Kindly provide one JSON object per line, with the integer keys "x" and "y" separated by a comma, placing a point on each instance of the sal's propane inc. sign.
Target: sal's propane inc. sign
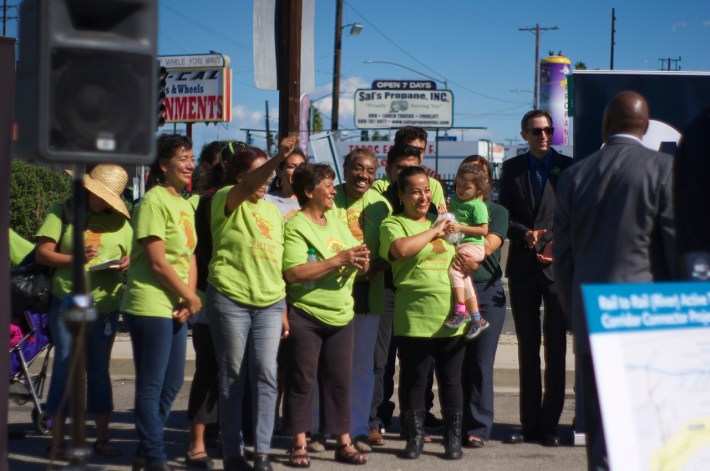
{"x": 198, "y": 88}
{"x": 393, "y": 104}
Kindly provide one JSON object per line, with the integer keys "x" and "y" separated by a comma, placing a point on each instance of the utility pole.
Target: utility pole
{"x": 537, "y": 30}
{"x": 613, "y": 30}
{"x": 336, "y": 65}
{"x": 668, "y": 61}
{"x": 268, "y": 130}
{"x": 289, "y": 66}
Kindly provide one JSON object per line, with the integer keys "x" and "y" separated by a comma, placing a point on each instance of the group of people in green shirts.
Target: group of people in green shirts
{"x": 300, "y": 275}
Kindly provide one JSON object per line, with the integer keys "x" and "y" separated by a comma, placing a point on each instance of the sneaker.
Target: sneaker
{"x": 457, "y": 318}
{"x": 475, "y": 329}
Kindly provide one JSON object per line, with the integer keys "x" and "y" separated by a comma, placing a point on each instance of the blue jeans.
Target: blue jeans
{"x": 246, "y": 339}
{"x": 159, "y": 347}
{"x": 98, "y": 355}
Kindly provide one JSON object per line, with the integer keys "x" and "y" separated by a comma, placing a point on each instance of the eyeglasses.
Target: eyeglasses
{"x": 538, "y": 131}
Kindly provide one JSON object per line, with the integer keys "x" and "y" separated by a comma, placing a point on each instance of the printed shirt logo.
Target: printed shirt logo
{"x": 355, "y": 219}
{"x": 93, "y": 238}
{"x": 264, "y": 226}
{"x": 437, "y": 246}
{"x": 185, "y": 222}
{"x": 335, "y": 246}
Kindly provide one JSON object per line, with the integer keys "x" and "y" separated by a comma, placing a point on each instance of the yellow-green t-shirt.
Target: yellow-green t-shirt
{"x": 437, "y": 192}
{"x": 170, "y": 218}
{"x": 19, "y": 248}
{"x": 330, "y": 300}
{"x": 422, "y": 300}
{"x": 247, "y": 252}
{"x": 364, "y": 217}
{"x": 112, "y": 235}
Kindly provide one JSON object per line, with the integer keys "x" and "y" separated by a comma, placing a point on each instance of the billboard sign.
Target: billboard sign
{"x": 198, "y": 88}
{"x": 394, "y": 108}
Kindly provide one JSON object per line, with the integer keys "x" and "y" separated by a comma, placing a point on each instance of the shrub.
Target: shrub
{"x": 33, "y": 190}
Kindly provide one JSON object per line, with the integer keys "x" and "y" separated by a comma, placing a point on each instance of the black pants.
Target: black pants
{"x": 539, "y": 413}
{"x": 382, "y": 407}
{"x": 596, "y": 444}
{"x": 415, "y": 359}
{"x": 318, "y": 355}
{"x": 204, "y": 393}
{"x": 477, "y": 378}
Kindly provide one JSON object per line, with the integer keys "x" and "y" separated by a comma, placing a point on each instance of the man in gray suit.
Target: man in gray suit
{"x": 613, "y": 224}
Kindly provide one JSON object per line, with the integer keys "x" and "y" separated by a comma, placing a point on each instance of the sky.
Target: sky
{"x": 474, "y": 45}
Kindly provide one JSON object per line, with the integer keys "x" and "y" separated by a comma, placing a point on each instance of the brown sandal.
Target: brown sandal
{"x": 301, "y": 460}
{"x": 355, "y": 457}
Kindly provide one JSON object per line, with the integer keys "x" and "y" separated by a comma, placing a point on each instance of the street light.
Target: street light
{"x": 440, "y": 80}
{"x": 355, "y": 29}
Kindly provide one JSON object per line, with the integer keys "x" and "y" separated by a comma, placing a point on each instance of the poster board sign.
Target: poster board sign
{"x": 651, "y": 352}
{"x": 325, "y": 151}
{"x": 198, "y": 88}
{"x": 390, "y": 108}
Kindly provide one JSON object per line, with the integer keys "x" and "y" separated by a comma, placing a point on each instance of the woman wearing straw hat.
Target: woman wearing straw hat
{"x": 107, "y": 237}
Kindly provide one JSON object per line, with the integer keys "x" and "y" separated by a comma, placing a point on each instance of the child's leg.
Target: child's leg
{"x": 471, "y": 298}
{"x": 458, "y": 285}
{"x": 476, "y": 252}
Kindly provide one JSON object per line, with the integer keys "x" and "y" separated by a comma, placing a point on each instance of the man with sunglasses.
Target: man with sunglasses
{"x": 527, "y": 189}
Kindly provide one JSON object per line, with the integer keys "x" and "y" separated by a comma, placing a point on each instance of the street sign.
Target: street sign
{"x": 198, "y": 88}
{"x": 390, "y": 108}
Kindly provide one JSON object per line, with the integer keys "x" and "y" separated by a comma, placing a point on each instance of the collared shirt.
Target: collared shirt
{"x": 628, "y": 136}
{"x": 540, "y": 170}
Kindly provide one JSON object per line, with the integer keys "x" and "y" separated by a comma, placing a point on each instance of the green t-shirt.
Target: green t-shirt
{"x": 170, "y": 218}
{"x": 364, "y": 217}
{"x": 423, "y": 299}
{"x": 330, "y": 301}
{"x": 489, "y": 268}
{"x": 112, "y": 235}
{"x": 470, "y": 213}
{"x": 437, "y": 192}
{"x": 19, "y": 248}
{"x": 247, "y": 251}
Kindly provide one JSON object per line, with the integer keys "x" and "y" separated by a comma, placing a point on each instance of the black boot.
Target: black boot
{"x": 452, "y": 433}
{"x": 414, "y": 428}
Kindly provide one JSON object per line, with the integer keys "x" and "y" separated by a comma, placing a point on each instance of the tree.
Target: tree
{"x": 580, "y": 65}
{"x": 376, "y": 136}
{"x": 33, "y": 190}
{"x": 316, "y": 120}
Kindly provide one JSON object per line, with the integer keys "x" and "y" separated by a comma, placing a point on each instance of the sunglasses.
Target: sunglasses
{"x": 538, "y": 131}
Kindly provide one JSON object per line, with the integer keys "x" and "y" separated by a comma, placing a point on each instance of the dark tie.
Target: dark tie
{"x": 536, "y": 181}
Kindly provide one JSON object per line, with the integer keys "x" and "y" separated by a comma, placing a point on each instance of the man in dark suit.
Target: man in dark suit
{"x": 614, "y": 224}
{"x": 528, "y": 185}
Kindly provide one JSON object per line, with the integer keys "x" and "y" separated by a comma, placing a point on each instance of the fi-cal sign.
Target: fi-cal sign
{"x": 198, "y": 88}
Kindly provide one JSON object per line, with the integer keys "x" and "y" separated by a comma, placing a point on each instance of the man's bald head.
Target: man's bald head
{"x": 626, "y": 113}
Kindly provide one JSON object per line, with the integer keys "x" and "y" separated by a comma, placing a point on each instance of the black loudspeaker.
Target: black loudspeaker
{"x": 87, "y": 81}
